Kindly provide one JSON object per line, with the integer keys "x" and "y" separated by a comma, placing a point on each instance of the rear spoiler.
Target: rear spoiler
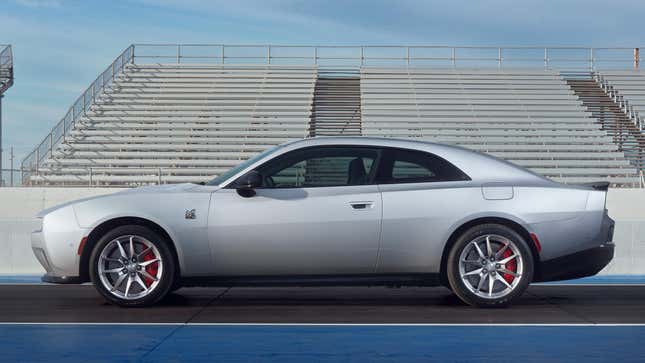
{"x": 602, "y": 185}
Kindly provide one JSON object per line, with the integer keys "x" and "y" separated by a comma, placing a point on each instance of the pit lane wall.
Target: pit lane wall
{"x": 19, "y": 205}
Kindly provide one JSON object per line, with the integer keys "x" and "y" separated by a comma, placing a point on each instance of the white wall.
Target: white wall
{"x": 19, "y": 205}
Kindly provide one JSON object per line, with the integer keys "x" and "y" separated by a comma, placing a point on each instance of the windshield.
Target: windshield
{"x": 225, "y": 176}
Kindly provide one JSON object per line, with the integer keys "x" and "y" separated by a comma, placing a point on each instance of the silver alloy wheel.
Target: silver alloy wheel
{"x": 491, "y": 266}
{"x": 130, "y": 267}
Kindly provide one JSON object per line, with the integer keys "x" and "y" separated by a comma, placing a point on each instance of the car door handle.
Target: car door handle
{"x": 361, "y": 205}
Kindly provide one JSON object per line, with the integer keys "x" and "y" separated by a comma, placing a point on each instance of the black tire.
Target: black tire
{"x": 166, "y": 280}
{"x": 456, "y": 282}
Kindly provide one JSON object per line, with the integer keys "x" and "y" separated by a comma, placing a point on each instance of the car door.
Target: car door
{"x": 421, "y": 194}
{"x": 317, "y": 213}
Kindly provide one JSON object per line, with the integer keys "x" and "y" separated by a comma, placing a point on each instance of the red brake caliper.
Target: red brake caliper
{"x": 510, "y": 265}
{"x": 151, "y": 269}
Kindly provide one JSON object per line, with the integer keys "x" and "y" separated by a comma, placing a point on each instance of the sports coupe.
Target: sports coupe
{"x": 335, "y": 211}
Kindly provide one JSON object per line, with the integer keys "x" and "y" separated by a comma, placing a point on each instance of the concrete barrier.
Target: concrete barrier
{"x": 19, "y": 205}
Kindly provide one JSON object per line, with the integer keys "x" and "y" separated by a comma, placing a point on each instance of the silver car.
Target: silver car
{"x": 335, "y": 211}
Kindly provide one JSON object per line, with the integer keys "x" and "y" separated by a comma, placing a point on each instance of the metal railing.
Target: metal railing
{"x": 79, "y": 108}
{"x": 588, "y": 58}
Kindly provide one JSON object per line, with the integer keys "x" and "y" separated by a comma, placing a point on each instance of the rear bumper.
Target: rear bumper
{"x": 580, "y": 264}
{"x": 584, "y": 263}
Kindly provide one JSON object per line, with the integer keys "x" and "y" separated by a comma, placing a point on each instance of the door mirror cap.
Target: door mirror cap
{"x": 246, "y": 184}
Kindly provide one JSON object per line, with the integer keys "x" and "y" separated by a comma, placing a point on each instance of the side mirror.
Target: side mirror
{"x": 246, "y": 184}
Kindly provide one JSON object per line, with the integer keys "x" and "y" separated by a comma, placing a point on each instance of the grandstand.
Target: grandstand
{"x": 6, "y": 81}
{"x": 193, "y": 121}
{"x": 185, "y": 116}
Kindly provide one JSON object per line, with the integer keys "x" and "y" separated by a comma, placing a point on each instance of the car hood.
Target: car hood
{"x": 166, "y": 188}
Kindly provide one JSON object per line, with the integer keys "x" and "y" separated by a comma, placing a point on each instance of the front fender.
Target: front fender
{"x": 166, "y": 210}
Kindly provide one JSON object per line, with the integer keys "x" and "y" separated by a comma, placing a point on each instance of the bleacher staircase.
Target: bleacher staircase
{"x": 337, "y": 106}
{"x": 613, "y": 120}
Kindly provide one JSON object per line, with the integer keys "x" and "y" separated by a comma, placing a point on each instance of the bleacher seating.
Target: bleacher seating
{"x": 528, "y": 116}
{"x": 182, "y": 123}
{"x": 170, "y": 123}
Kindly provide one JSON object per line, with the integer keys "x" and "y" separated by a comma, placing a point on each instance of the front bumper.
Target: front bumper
{"x": 580, "y": 264}
{"x": 55, "y": 246}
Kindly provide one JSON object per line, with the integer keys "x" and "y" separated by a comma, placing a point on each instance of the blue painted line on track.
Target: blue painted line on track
{"x": 20, "y": 279}
{"x": 284, "y": 344}
{"x": 602, "y": 280}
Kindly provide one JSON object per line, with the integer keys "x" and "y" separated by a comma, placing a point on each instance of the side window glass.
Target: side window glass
{"x": 405, "y": 169}
{"x": 412, "y": 166}
{"x": 320, "y": 167}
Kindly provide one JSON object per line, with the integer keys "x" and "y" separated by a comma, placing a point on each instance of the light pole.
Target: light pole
{"x": 11, "y": 167}
{"x": 1, "y": 180}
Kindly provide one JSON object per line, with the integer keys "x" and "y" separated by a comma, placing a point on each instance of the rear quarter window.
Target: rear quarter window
{"x": 413, "y": 166}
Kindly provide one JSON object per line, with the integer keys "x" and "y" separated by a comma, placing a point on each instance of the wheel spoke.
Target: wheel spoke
{"x": 505, "y": 271}
{"x": 137, "y": 278}
{"x": 491, "y": 282}
{"x": 121, "y": 250}
{"x": 508, "y": 259}
{"x": 501, "y": 250}
{"x": 128, "y": 284}
{"x": 114, "y": 270}
{"x": 502, "y": 280}
{"x": 132, "y": 254}
{"x": 143, "y": 253}
{"x": 470, "y": 261}
{"x": 108, "y": 259}
{"x": 146, "y": 263}
{"x": 479, "y": 250}
{"x": 473, "y": 272}
{"x": 482, "y": 279}
{"x": 489, "y": 249}
{"x": 147, "y": 275}
{"x": 119, "y": 281}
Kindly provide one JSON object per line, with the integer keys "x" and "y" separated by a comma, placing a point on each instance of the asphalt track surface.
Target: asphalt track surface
{"x": 590, "y": 323}
{"x": 540, "y": 304}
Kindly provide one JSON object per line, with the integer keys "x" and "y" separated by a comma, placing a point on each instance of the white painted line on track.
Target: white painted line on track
{"x": 337, "y": 324}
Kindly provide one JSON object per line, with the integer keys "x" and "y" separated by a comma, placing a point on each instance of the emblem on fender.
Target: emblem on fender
{"x": 191, "y": 214}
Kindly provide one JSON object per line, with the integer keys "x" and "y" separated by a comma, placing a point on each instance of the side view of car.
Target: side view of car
{"x": 335, "y": 211}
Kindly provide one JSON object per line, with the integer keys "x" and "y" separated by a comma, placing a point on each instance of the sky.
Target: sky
{"x": 61, "y": 46}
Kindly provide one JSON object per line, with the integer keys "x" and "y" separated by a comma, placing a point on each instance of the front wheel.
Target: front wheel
{"x": 132, "y": 266}
{"x": 489, "y": 265}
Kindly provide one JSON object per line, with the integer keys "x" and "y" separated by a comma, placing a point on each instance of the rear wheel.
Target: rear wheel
{"x": 489, "y": 265}
{"x": 132, "y": 266}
